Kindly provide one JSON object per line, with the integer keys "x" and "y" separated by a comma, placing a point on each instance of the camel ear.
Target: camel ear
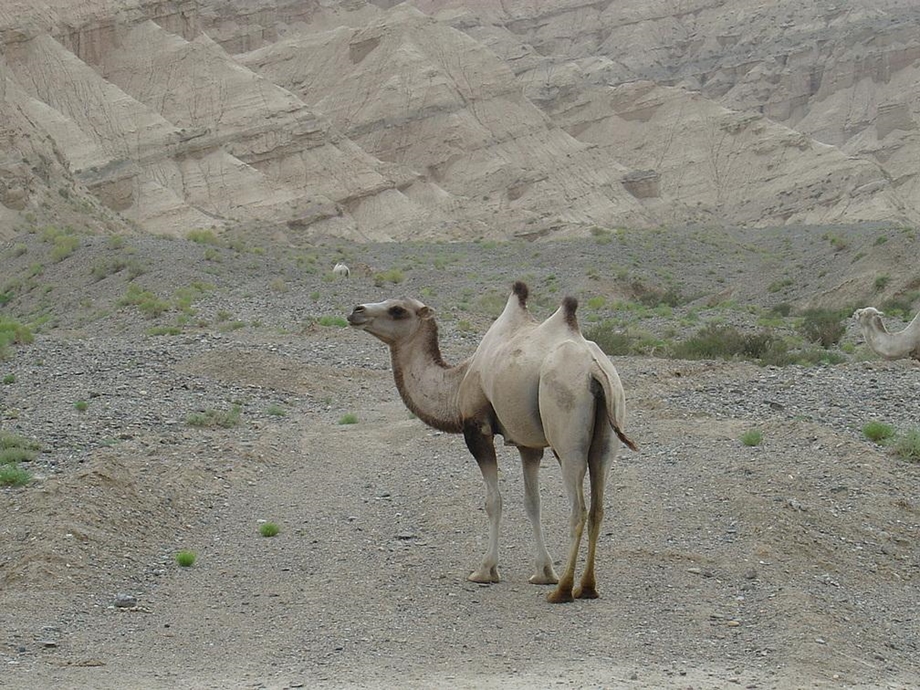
{"x": 425, "y": 313}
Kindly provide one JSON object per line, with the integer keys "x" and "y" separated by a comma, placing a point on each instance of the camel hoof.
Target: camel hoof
{"x": 547, "y": 577}
{"x": 586, "y": 593}
{"x": 558, "y": 596}
{"x": 487, "y": 578}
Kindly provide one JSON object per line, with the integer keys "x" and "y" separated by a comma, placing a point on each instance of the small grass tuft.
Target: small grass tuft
{"x": 212, "y": 418}
{"x": 349, "y": 418}
{"x": 14, "y": 475}
{"x": 186, "y": 558}
{"x": 878, "y": 431}
{"x": 81, "y": 406}
{"x": 753, "y": 437}
{"x": 269, "y": 529}
{"x": 907, "y": 445}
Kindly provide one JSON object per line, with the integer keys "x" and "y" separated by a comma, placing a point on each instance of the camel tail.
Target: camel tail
{"x": 609, "y": 382}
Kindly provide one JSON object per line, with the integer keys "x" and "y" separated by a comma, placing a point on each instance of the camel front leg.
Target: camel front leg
{"x": 544, "y": 574}
{"x": 478, "y": 439}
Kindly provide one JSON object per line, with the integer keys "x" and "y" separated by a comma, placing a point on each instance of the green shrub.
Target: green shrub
{"x": 878, "y": 431}
{"x": 13, "y": 333}
{"x": 147, "y": 302}
{"x": 882, "y": 282}
{"x": 202, "y": 237}
{"x": 186, "y": 558}
{"x": 753, "y": 437}
{"x": 213, "y": 418}
{"x": 823, "y": 326}
{"x": 394, "y": 275}
{"x": 10, "y": 456}
{"x": 9, "y": 378}
{"x": 349, "y": 418}
{"x": 269, "y": 529}
{"x": 330, "y": 321}
{"x": 81, "y": 406}
{"x": 907, "y": 445}
{"x": 14, "y": 475}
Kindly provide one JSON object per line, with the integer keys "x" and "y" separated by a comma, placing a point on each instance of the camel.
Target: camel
{"x": 904, "y": 343}
{"x": 539, "y": 385}
{"x": 340, "y": 270}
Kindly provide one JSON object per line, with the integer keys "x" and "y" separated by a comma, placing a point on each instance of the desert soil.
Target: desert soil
{"x": 791, "y": 564}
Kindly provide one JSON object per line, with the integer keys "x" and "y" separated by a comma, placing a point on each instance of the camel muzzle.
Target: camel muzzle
{"x": 357, "y": 317}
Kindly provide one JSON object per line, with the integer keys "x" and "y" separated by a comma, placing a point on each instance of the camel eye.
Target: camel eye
{"x": 398, "y": 312}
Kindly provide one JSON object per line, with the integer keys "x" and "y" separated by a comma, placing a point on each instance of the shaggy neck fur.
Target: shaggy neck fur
{"x": 426, "y": 383}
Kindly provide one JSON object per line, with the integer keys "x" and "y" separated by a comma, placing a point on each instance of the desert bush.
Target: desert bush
{"x": 211, "y": 418}
{"x": 752, "y": 437}
{"x": 349, "y": 418}
{"x": 614, "y": 340}
{"x": 14, "y": 475}
{"x": 907, "y": 444}
{"x": 332, "y": 321}
{"x": 202, "y": 237}
{"x": 394, "y": 275}
{"x": 269, "y": 529}
{"x": 823, "y": 326}
{"x": 717, "y": 341}
{"x": 186, "y": 558}
{"x": 147, "y": 302}
{"x": 12, "y": 333}
{"x": 878, "y": 431}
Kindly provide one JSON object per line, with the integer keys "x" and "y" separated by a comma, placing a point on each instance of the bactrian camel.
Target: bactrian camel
{"x": 904, "y": 343}
{"x": 539, "y": 385}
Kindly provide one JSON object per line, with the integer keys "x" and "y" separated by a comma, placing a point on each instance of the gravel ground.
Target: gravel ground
{"x": 790, "y": 564}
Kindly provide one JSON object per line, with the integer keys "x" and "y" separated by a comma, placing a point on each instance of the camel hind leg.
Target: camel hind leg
{"x": 600, "y": 456}
{"x": 573, "y": 474}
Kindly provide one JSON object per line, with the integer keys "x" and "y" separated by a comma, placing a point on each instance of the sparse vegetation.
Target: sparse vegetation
{"x": 12, "y": 333}
{"x": 348, "y": 418}
{"x": 878, "y": 432}
{"x": 185, "y": 558}
{"x": 332, "y": 321}
{"x": 269, "y": 529}
{"x": 823, "y": 326}
{"x": 394, "y": 276}
{"x": 13, "y": 475}
{"x": 752, "y": 437}
{"x": 81, "y": 405}
{"x": 907, "y": 444}
{"x": 215, "y": 418}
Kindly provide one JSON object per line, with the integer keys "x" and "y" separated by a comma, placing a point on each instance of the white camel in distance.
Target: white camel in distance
{"x": 539, "y": 385}
{"x": 899, "y": 345}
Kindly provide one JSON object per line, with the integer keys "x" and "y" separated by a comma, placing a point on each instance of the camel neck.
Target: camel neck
{"x": 426, "y": 383}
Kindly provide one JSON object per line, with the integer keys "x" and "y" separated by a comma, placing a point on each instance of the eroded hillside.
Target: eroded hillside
{"x": 455, "y": 119}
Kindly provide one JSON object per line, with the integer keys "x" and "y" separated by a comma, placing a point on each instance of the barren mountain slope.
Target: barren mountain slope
{"x": 844, "y": 74}
{"x": 414, "y": 91}
{"x": 377, "y": 121}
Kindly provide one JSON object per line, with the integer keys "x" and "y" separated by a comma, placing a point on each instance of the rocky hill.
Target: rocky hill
{"x": 456, "y": 119}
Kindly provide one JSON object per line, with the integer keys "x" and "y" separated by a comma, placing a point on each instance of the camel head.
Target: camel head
{"x": 868, "y": 315}
{"x": 394, "y": 321}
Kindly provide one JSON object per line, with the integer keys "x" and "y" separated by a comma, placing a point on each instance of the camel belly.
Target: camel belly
{"x": 517, "y": 409}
